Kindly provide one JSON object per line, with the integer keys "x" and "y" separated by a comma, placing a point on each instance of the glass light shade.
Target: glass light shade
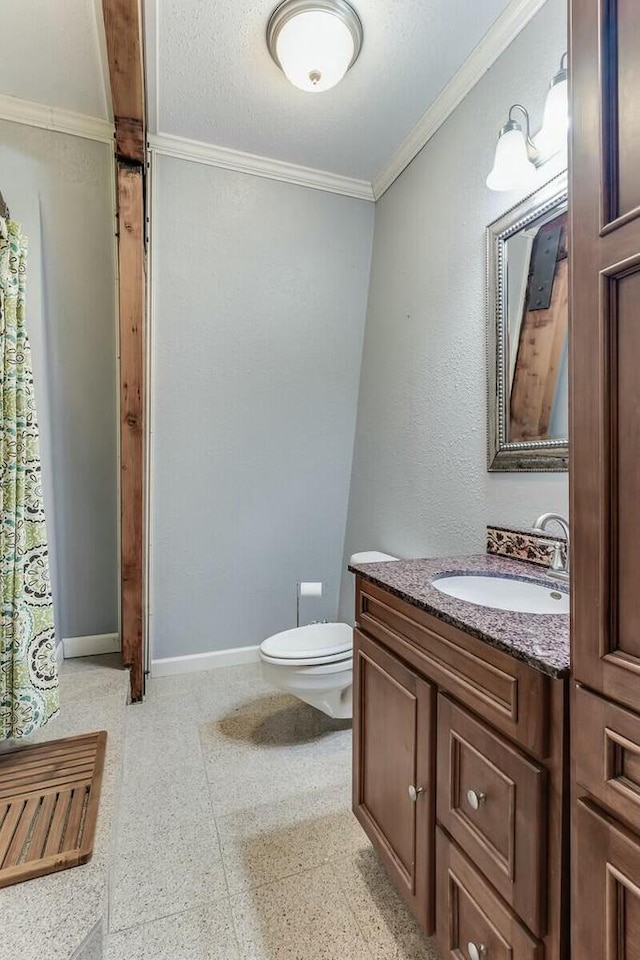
{"x": 512, "y": 168}
{"x": 553, "y": 135}
{"x": 315, "y": 49}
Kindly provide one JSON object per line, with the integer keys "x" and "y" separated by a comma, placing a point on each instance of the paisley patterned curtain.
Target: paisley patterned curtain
{"x": 28, "y": 673}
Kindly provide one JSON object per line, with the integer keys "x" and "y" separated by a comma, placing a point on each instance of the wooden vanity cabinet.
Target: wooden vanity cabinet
{"x": 459, "y": 781}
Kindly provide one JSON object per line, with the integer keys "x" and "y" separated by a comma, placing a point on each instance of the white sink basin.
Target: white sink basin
{"x": 502, "y": 593}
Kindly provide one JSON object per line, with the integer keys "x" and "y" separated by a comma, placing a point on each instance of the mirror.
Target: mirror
{"x": 527, "y": 326}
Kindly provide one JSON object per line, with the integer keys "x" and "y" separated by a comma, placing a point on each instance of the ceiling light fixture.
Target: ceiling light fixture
{"x": 513, "y": 167}
{"x": 314, "y": 42}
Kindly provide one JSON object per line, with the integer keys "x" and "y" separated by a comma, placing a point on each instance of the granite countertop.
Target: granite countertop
{"x": 541, "y": 640}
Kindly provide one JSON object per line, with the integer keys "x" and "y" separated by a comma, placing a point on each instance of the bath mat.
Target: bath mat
{"x": 49, "y": 797}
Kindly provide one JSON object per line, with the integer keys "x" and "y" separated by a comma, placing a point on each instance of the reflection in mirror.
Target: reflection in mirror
{"x": 528, "y": 333}
{"x": 538, "y": 305}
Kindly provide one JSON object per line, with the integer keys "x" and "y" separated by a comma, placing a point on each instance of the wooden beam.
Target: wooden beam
{"x": 123, "y": 27}
{"x": 130, "y": 140}
{"x": 131, "y": 261}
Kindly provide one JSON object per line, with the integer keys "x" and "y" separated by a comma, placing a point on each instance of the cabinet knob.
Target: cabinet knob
{"x": 476, "y": 951}
{"x": 414, "y": 792}
{"x": 475, "y": 798}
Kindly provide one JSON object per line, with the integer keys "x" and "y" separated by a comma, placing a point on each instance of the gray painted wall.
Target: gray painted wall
{"x": 420, "y": 486}
{"x": 59, "y": 188}
{"x": 260, "y": 294}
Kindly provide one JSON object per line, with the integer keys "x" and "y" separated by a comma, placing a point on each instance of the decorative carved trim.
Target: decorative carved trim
{"x": 527, "y": 545}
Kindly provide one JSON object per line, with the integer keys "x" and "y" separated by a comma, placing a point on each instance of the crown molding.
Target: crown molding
{"x": 505, "y": 29}
{"x": 33, "y": 114}
{"x": 181, "y": 148}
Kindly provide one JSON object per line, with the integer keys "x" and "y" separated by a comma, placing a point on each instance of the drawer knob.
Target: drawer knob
{"x": 414, "y": 792}
{"x": 476, "y": 951}
{"x": 475, "y": 798}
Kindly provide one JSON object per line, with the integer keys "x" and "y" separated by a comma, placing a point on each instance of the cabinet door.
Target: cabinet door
{"x": 605, "y": 345}
{"x": 393, "y": 770}
{"x": 606, "y": 913}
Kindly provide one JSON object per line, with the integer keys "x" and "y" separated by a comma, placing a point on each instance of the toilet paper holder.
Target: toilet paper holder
{"x": 310, "y": 588}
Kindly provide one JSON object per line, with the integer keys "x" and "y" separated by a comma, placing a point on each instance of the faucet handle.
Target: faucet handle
{"x": 557, "y": 553}
{"x": 559, "y": 557}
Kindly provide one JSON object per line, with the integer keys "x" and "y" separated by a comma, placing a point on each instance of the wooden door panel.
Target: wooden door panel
{"x": 607, "y": 762}
{"x": 606, "y": 914}
{"x": 605, "y": 345}
{"x": 607, "y": 542}
{"x": 620, "y": 42}
{"x": 394, "y": 749}
{"x": 605, "y": 465}
{"x": 389, "y": 757}
{"x": 624, "y": 301}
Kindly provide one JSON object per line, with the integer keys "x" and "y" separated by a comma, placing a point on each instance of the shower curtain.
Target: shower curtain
{"x": 28, "y": 670}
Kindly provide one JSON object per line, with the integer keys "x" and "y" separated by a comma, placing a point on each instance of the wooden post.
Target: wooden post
{"x": 122, "y": 20}
{"x": 131, "y": 260}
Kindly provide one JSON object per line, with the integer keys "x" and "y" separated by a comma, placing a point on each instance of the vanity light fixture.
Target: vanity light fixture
{"x": 516, "y": 153}
{"x": 314, "y": 42}
{"x": 555, "y": 125}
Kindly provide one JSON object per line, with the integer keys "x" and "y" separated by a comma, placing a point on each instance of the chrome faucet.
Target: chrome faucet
{"x": 559, "y": 566}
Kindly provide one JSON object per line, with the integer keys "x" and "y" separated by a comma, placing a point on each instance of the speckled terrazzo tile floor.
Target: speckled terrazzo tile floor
{"x": 225, "y": 833}
{"x": 53, "y": 915}
{"x": 274, "y": 866}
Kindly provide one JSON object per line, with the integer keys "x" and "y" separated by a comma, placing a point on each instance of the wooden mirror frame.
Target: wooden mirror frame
{"x": 503, "y": 455}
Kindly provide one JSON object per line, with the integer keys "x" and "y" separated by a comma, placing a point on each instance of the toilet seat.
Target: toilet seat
{"x": 316, "y": 643}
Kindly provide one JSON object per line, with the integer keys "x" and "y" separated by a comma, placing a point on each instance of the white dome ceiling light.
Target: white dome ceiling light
{"x": 314, "y": 42}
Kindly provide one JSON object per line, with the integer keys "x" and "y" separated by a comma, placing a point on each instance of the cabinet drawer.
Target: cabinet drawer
{"x": 606, "y": 895}
{"x": 607, "y": 739}
{"x": 492, "y": 801}
{"x": 511, "y": 695}
{"x": 470, "y": 914}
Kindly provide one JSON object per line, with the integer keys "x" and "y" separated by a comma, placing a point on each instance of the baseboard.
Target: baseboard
{"x": 90, "y": 646}
{"x": 169, "y": 666}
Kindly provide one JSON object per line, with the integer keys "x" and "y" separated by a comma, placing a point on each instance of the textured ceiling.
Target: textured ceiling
{"x": 51, "y": 54}
{"x": 217, "y": 83}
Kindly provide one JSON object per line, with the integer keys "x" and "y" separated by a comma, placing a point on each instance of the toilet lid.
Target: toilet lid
{"x": 316, "y": 640}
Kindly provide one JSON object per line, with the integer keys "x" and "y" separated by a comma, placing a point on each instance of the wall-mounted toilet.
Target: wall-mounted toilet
{"x": 315, "y": 663}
